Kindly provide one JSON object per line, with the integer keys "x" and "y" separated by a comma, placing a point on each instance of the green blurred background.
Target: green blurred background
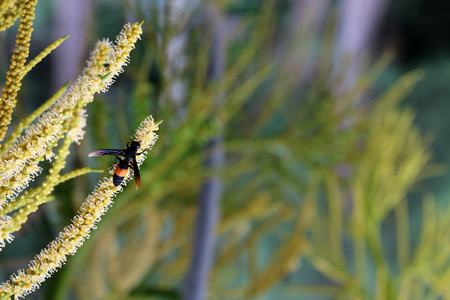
{"x": 327, "y": 123}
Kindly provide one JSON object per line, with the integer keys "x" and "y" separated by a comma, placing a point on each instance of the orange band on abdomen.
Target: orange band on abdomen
{"x": 120, "y": 172}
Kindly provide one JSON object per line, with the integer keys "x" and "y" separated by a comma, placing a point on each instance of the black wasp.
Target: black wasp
{"x": 127, "y": 161}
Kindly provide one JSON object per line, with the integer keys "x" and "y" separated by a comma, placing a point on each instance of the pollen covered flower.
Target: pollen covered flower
{"x": 73, "y": 236}
{"x": 19, "y": 163}
{"x": 119, "y": 57}
{"x": 9, "y": 12}
{"x": 28, "y": 120}
{"x": 16, "y": 72}
{"x": 34, "y": 139}
{"x": 146, "y": 136}
{"x": 31, "y": 200}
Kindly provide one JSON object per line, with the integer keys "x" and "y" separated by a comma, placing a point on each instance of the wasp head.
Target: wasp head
{"x": 135, "y": 144}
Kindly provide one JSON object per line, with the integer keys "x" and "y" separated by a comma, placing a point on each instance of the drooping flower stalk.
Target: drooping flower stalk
{"x": 72, "y": 236}
{"x": 22, "y": 158}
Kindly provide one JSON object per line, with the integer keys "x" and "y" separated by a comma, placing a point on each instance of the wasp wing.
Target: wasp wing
{"x": 99, "y": 152}
{"x": 137, "y": 176}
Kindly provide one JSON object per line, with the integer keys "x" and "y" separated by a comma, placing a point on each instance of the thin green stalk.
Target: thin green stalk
{"x": 358, "y": 230}
{"x": 403, "y": 240}
{"x": 28, "y": 120}
{"x": 335, "y": 220}
{"x": 382, "y": 268}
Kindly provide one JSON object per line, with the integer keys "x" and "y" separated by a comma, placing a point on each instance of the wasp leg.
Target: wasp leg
{"x": 137, "y": 176}
{"x": 142, "y": 151}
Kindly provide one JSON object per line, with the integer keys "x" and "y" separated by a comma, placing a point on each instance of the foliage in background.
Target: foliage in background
{"x": 316, "y": 188}
{"x": 312, "y": 184}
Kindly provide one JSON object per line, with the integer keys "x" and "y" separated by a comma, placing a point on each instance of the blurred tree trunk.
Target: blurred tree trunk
{"x": 70, "y": 17}
{"x": 359, "y": 21}
{"x": 197, "y": 277}
{"x": 307, "y": 23}
{"x": 173, "y": 18}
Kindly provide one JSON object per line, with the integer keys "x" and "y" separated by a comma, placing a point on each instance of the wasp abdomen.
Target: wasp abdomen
{"x": 119, "y": 174}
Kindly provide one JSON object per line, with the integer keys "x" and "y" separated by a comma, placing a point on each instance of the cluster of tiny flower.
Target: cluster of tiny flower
{"x": 38, "y": 141}
{"x": 73, "y": 236}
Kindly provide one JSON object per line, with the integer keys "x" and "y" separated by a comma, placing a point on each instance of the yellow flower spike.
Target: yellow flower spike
{"x": 76, "y": 133}
{"x": 146, "y": 135}
{"x": 99, "y": 57}
{"x": 59, "y": 163}
{"x": 41, "y": 195}
{"x": 18, "y": 219}
{"x": 15, "y": 75}
{"x": 36, "y": 143}
{"x": 27, "y": 121}
{"x": 119, "y": 56}
{"x": 44, "y": 53}
{"x": 6, "y": 5}
{"x": 73, "y": 235}
{"x": 5, "y": 221}
{"x": 9, "y": 12}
